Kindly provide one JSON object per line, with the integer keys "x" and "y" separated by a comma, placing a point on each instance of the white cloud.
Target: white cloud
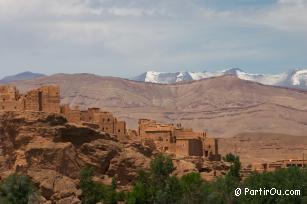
{"x": 286, "y": 15}
{"x": 141, "y": 33}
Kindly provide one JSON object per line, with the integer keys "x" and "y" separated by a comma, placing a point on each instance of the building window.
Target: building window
{"x": 118, "y": 130}
{"x": 108, "y": 119}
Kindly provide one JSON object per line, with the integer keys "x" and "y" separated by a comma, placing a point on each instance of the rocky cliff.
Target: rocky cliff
{"x": 52, "y": 152}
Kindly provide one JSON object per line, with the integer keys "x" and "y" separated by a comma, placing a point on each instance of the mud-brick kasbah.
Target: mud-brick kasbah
{"x": 168, "y": 138}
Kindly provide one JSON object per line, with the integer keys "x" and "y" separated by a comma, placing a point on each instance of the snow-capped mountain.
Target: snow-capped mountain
{"x": 294, "y": 78}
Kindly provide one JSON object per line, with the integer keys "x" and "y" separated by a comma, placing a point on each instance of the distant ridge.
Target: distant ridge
{"x": 21, "y": 76}
{"x": 292, "y": 79}
{"x": 225, "y": 105}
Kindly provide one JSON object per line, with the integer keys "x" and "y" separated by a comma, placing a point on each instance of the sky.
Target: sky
{"x": 128, "y": 37}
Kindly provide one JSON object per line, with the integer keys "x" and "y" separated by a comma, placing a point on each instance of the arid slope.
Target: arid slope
{"x": 265, "y": 147}
{"x": 225, "y": 106}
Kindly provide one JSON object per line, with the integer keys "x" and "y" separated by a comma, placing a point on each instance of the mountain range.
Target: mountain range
{"x": 224, "y": 106}
{"x": 21, "y": 76}
{"x": 292, "y": 79}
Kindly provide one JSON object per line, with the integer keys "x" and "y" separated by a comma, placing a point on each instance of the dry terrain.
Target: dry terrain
{"x": 224, "y": 106}
{"x": 52, "y": 152}
{"x": 265, "y": 147}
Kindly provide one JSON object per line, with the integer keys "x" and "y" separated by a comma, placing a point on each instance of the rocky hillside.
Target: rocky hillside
{"x": 225, "y": 106}
{"x": 52, "y": 152}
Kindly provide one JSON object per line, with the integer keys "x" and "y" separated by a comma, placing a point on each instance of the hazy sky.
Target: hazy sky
{"x": 128, "y": 37}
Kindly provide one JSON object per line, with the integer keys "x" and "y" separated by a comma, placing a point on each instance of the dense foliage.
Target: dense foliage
{"x": 159, "y": 186}
{"x": 17, "y": 189}
{"x": 93, "y": 192}
{"x": 282, "y": 179}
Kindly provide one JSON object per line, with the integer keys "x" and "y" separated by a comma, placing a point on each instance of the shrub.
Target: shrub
{"x": 93, "y": 192}
{"x": 17, "y": 189}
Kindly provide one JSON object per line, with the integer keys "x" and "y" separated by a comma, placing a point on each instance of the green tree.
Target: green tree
{"x": 161, "y": 167}
{"x": 282, "y": 179}
{"x": 229, "y": 157}
{"x": 171, "y": 193}
{"x": 93, "y": 192}
{"x": 17, "y": 189}
{"x": 235, "y": 168}
{"x": 222, "y": 189}
{"x": 193, "y": 189}
{"x": 156, "y": 185}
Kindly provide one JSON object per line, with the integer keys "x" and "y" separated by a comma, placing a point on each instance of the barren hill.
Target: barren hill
{"x": 225, "y": 106}
{"x": 265, "y": 147}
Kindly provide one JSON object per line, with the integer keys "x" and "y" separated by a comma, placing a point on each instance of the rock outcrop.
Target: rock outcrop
{"x": 52, "y": 152}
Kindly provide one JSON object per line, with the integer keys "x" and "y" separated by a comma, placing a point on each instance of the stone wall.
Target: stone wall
{"x": 31, "y": 101}
{"x": 105, "y": 120}
{"x": 178, "y": 140}
{"x": 46, "y": 99}
{"x": 10, "y": 99}
{"x": 72, "y": 115}
{"x": 50, "y": 99}
{"x": 120, "y": 128}
{"x": 211, "y": 149}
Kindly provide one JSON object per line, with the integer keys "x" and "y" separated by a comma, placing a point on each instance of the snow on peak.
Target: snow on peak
{"x": 152, "y": 76}
{"x": 294, "y": 78}
{"x": 299, "y": 77}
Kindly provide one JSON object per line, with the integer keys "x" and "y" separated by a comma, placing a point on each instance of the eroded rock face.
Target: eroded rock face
{"x": 52, "y": 152}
